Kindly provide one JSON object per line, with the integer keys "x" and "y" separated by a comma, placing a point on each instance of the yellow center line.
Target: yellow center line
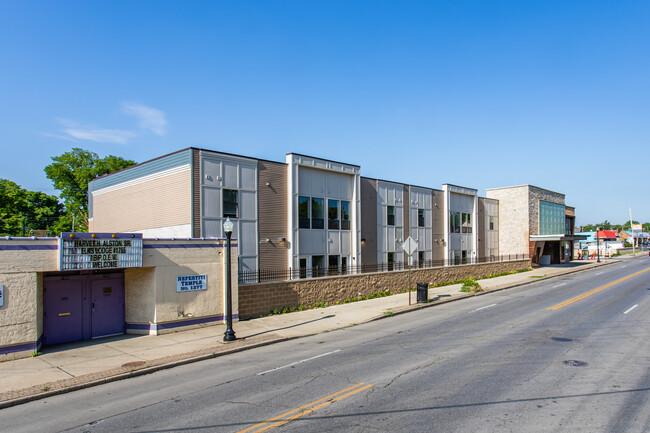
{"x": 591, "y": 292}
{"x": 313, "y": 406}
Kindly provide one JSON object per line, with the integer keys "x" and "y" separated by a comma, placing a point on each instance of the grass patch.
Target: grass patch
{"x": 470, "y": 285}
{"x": 537, "y": 276}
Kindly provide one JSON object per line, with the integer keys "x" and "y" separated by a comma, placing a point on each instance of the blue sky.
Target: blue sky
{"x": 481, "y": 94}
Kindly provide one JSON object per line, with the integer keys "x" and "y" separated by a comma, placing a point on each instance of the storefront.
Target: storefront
{"x": 82, "y": 286}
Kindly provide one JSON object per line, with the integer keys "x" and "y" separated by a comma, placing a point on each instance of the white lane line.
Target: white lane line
{"x": 631, "y": 309}
{"x": 624, "y": 266}
{"x": 298, "y": 362}
{"x": 483, "y": 308}
{"x": 559, "y": 285}
{"x": 599, "y": 273}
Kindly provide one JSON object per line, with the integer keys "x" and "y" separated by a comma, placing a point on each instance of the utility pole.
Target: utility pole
{"x": 632, "y": 230}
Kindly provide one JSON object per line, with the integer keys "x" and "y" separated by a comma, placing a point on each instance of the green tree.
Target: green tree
{"x": 605, "y": 225}
{"x": 628, "y": 226}
{"x": 70, "y": 174}
{"x": 22, "y": 210}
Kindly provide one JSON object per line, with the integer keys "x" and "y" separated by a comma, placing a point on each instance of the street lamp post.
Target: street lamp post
{"x": 597, "y": 244}
{"x": 229, "y": 335}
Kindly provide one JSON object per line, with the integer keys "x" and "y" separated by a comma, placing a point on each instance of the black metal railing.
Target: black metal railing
{"x": 285, "y": 274}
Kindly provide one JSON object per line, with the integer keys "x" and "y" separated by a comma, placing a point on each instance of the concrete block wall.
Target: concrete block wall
{"x": 261, "y": 299}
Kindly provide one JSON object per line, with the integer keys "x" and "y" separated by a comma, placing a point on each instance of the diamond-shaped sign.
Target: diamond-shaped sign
{"x": 410, "y": 246}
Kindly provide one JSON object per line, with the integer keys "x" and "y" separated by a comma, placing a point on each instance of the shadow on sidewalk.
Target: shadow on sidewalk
{"x": 62, "y": 347}
{"x": 292, "y": 326}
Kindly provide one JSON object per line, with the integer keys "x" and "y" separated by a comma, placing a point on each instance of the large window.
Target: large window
{"x": 551, "y": 218}
{"x": 420, "y": 217}
{"x": 390, "y": 215}
{"x": 460, "y": 222}
{"x": 317, "y": 213}
{"x": 467, "y": 222}
{"x": 454, "y": 222}
{"x": 230, "y": 203}
{"x": 311, "y": 213}
{"x": 345, "y": 215}
{"x": 303, "y": 212}
{"x": 333, "y": 214}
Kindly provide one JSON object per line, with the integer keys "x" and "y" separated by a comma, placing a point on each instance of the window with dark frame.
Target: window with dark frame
{"x": 333, "y": 214}
{"x": 345, "y": 215}
{"x": 303, "y": 212}
{"x": 420, "y": 217}
{"x": 390, "y": 215}
{"x": 317, "y": 213}
{"x": 230, "y": 203}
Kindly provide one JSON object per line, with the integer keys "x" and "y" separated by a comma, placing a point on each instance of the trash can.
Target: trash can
{"x": 423, "y": 293}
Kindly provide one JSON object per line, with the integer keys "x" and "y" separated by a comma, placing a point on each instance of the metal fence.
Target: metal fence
{"x": 285, "y": 274}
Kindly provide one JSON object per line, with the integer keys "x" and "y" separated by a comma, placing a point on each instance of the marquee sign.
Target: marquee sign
{"x": 87, "y": 251}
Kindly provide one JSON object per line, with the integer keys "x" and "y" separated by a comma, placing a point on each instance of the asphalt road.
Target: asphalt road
{"x": 565, "y": 354}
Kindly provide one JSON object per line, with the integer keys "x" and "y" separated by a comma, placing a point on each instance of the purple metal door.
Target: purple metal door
{"x": 63, "y": 307}
{"x": 107, "y": 305}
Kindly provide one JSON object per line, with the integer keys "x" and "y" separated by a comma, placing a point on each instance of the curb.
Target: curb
{"x": 152, "y": 369}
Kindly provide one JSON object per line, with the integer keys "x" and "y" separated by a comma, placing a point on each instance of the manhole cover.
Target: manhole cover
{"x": 575, "y": 363}
{"x": 133, "y": 364}
{"x": 561, "y": 339}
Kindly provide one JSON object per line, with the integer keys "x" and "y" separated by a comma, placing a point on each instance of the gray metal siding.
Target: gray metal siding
{"x": 369, "y": 221}
{"x": 196, "y": 193}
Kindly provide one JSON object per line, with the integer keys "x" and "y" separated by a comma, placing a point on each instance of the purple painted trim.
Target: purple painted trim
{"x": 179, "y": 324}
{"x": 27, "y": 247}
{"x": 33, "y": 347}
{"x": 138, "y": 326}
{"x": 101, "y": 236}
{"x": 186, "y": 246}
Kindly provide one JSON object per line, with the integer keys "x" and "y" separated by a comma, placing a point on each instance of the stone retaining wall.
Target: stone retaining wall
{"x": 261, "y": 299}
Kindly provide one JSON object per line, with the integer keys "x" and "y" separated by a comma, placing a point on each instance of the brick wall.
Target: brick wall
{"x": 259, "y": 299}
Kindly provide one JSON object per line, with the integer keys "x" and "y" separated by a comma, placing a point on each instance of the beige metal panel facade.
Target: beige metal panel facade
{"x": 488, "y": 227}
{"x": 438, "y": 225}
{"x": 160, "y": 202}
{"x": 272, "y": 214}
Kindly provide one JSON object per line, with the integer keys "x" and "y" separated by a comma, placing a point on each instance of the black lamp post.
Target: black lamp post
{"x": 229, "y": 335}
{"x": 598, "y": 244}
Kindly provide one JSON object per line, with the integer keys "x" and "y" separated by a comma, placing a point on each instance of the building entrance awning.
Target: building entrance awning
{"x": 557, "y": 238}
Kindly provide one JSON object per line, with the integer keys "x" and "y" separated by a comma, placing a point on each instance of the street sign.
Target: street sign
{"x": 410, "y": 246}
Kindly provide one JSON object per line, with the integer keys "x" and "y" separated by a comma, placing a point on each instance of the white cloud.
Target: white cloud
{"x": 149, "y": 119}
{"x": 118, "y": 136}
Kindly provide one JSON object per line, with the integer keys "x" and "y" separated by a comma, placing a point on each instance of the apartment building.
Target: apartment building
{"x": 300, "y": 218}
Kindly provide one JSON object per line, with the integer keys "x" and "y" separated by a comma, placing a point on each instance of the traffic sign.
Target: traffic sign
{"x": 410, "y": 246}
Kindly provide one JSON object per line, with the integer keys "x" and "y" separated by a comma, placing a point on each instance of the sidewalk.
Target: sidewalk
{"x": 73, "y": 366}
